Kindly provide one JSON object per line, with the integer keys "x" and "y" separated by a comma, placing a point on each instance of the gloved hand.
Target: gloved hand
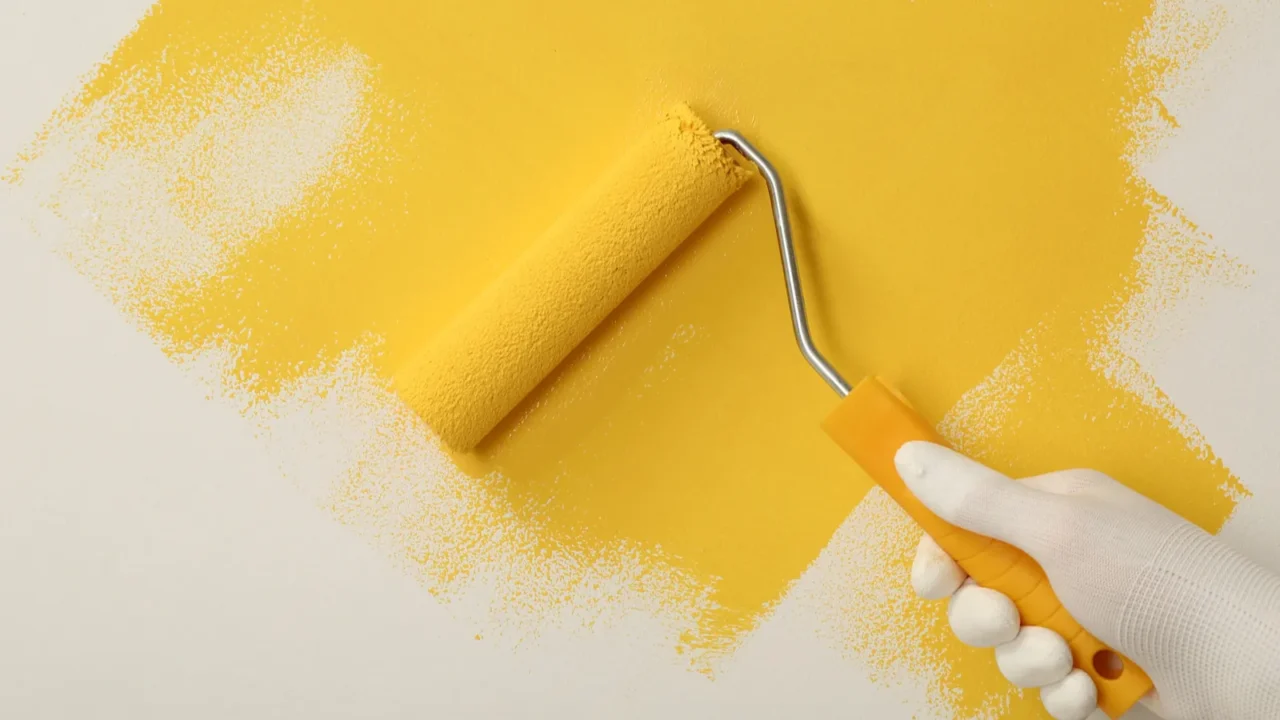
{"x": 1201, "y": 619}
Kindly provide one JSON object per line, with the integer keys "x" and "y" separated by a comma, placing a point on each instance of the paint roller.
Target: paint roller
{"x": 527, "y": 321}
{"x": 515, "y": 333}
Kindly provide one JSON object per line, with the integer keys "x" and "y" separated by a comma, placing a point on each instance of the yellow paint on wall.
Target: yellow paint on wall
{"x": 958, "y": 175}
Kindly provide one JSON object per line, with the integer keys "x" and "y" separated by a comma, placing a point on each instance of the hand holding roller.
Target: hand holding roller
{"x": 528, "y": 321}
{"x": 872, "y": 422}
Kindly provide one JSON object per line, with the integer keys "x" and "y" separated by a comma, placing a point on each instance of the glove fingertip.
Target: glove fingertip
{"x": 1037, "y": 657}
{"x": 1075, "y": 697}
{"x": 934, "y": 575}
{"x": 981, "y": 617}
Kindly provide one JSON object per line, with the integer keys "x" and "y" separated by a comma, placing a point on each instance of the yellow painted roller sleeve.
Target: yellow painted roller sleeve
{"x": 524, "y": 324}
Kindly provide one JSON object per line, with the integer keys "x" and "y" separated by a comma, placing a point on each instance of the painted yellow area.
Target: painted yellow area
{"x": 958, "y": 176}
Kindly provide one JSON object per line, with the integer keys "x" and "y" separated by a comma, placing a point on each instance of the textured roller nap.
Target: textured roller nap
{"x": 524, "y": 324}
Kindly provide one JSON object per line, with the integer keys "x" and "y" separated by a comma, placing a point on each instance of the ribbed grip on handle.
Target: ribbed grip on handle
{"x": 871, "y": 424}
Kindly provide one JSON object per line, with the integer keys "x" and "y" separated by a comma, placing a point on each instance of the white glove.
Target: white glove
{"x": 1201, "y": 619}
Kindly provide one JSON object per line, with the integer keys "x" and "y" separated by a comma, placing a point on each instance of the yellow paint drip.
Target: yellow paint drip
{"x": 959, "y": 175}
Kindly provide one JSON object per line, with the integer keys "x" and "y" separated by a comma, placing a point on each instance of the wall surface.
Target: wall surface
{"x": 223, "y": 225}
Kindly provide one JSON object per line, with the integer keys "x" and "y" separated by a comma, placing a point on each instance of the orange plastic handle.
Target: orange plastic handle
{"x": 871, "y": 424}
